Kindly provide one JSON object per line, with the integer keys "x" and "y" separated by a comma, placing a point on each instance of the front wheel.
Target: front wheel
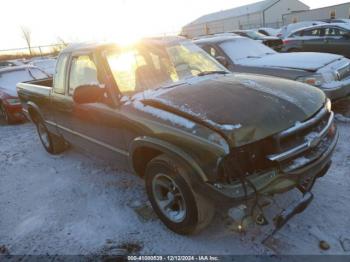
{"x": 52, "y": 143}
{"x": 173, "y": 199}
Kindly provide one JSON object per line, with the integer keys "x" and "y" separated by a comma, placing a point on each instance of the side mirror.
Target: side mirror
{"x": 222, "y": 60}
{"x": 86, "y": 94}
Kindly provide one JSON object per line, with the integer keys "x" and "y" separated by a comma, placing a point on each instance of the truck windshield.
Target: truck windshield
{"x": 150, "y": 66}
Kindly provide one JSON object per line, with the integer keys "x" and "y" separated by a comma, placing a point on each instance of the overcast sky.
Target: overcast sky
{"x": 75, "y": 20}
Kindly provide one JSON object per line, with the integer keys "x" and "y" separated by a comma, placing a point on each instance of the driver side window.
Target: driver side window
{"x": 83, "y": 71}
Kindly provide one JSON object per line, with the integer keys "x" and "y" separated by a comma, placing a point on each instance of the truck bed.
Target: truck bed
{"x": 37, "y": 91}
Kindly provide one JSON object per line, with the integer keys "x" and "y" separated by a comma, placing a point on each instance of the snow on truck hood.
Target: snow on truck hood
{"x": 300, "y": 61}
{"x": 246, "y": 108}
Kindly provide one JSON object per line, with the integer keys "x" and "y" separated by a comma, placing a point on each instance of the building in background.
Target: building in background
{"x": 341, "y": 11}
{"x": 268, "y": 13}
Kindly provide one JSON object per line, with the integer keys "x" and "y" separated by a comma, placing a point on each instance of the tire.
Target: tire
{"x": 188, "y": 213}
{"x": 53, "y": 144}
{"x": 5, "y": 115}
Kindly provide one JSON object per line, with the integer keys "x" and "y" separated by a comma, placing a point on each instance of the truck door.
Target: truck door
{"x": 60, "y": 105}
{"x": 96, "y": 127}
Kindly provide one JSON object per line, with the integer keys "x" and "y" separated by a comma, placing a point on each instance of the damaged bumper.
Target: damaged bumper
{"x": 295, "y": 166}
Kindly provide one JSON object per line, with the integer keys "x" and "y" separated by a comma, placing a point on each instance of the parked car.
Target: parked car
{"x": 328, "y": 38}
{"x": 268, "y": 31}
{"x": 271, "y": 41}
{"x": 288, "y": 29}
{"x": 48, "y": 65}
{"x": 10, "y": 106}
{"x": 167, "y": 111}
{"x": 329, "y": 72}
{"x": 331, "y": 21}
{"x": 7, "y": 63}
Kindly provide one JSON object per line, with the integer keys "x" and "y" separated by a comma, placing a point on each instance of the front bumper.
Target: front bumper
{"x": 275, "y": 181}
{"x": 337, "y": 90}
{"x": 294, "y": 165}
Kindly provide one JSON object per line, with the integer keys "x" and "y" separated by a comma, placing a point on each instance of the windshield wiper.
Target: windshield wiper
{"x": 205, "y": 73}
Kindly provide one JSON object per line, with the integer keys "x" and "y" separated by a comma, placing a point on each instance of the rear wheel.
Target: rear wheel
{"x": 52, "y": 143}
{"x": 173, "y": 199}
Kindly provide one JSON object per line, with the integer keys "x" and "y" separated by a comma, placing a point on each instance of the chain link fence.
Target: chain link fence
{"x": 34, "y": 51}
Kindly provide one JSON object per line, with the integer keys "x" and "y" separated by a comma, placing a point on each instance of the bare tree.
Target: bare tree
{"x": 27, "y": 35}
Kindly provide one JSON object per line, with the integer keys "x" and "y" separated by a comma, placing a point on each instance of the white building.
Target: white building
{"x": 268, "y": 13}
{"x": 341, "y": 11}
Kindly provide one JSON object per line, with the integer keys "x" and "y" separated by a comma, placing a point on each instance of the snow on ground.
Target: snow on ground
{"x": 75, "y": 204}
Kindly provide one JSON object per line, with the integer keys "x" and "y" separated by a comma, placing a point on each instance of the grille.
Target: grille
{"x": 303, "y": 134}
{"x": 344, "y": 72}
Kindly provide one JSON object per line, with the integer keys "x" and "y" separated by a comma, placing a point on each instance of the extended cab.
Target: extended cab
{"x": 201, "y": 137}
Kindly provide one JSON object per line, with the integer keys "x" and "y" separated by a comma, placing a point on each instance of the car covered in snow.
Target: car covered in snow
{"x": 46, "y": 64}
{"x": 270, "y": 41}
{"x": 201, "y": 138}
{"x": 10, "y": 106}
{"x": 329, "y": 72}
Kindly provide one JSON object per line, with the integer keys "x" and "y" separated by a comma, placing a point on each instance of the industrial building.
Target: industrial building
{"x": 268, "y": 13}
{"x": 335, "y": 12}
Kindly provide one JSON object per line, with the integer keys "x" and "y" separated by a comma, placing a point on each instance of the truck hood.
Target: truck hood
{"x": 300, "y": 61}
{"x": 246, "y": 108}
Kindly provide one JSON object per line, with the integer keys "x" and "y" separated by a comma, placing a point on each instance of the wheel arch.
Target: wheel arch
{"x": 152, "y": 147}
{"x": 34, "y": 112}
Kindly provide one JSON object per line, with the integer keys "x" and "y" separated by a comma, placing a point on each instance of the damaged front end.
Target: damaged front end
{"x": 293, "y": 158}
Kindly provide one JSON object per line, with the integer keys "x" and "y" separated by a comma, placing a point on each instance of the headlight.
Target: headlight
{"x": 13, "y": 101}
{"x": 329, "y": 105}
{"x": 314, "y": 80}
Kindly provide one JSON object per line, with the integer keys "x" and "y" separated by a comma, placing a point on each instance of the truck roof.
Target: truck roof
{"x": 88, "y": 46}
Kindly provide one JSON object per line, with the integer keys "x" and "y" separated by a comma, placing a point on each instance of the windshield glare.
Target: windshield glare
{"x": 238, "y": 49}
{"x": 152, "y": 66}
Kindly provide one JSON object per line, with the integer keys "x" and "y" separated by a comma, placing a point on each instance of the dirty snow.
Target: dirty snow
{"x": 76, "y": 204}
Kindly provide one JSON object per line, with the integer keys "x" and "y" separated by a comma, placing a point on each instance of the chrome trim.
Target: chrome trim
{"x": 313, "y": 163}
{"x": 303, "y": 147}
{"x": 303, "y": 125}
{"x": 100, "y": 143}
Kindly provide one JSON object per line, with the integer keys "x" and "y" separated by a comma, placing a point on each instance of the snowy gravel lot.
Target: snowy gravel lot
{"x": 74, "y": 204}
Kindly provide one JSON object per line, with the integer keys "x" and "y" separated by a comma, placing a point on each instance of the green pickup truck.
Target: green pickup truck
{"x": 202, "y": 138}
